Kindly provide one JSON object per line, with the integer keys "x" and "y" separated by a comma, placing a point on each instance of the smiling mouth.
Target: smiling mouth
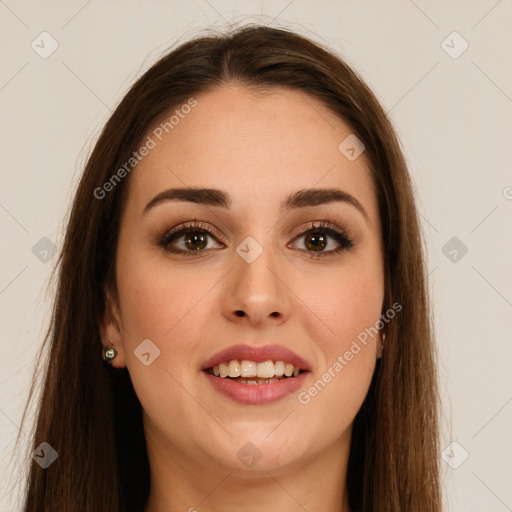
{"x": 252, "y": 372}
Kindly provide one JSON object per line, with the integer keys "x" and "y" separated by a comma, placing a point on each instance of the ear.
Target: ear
{"x": 111, "y": 330}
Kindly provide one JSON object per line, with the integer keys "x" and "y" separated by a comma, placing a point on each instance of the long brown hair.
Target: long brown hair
{"x": 88, "y": 411}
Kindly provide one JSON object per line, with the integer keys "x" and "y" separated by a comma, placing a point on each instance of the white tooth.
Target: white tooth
{"x": 296, "y": 371}
{"x": 216, "y": 370}
{"x": 248, "y": 368}
{"x": 279, "y": 368}
{"x": 288, "y": 369}
{"x": 223, "y": 369}
{"x": 234, "y": 368}
{"x": 265, "y": 370}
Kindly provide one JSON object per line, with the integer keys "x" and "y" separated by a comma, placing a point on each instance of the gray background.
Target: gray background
{"x": 452, "y": 112}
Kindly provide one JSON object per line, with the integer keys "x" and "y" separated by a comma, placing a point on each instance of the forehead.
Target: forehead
{"x": 258, "y": 146}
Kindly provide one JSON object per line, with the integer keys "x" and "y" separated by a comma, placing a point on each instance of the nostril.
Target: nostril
{"x": 240, "y": 313}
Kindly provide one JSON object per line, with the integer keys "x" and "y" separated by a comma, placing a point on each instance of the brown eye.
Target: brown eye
{"x": 195, "y": 240}
{"x": 316, "y": 241}
{"x": 325, "y": 239}
{"x": 190, "y": 239}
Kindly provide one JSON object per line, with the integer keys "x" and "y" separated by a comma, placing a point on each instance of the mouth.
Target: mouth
{"x": 256, "y": 375}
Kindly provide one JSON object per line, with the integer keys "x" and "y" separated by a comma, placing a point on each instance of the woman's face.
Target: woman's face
{"x": 181, "y": 295}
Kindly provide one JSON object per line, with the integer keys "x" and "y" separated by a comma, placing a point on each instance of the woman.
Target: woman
{"x": 244, "y": 252}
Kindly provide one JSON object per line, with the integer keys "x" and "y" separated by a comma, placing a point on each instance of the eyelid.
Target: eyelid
{"x": 326, "y": 225}
{"x": 194, "y": 224}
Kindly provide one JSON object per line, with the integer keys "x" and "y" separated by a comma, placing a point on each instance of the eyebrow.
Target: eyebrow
{"x": 220, "y": 199}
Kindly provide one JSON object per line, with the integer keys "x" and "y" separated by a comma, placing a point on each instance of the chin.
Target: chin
{"x": 263, "y": 451}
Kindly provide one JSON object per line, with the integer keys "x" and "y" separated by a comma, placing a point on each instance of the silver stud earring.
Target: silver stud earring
{"x": 109, "y": 353}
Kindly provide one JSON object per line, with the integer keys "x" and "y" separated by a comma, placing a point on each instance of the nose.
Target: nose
{"x": 256, "y": 292}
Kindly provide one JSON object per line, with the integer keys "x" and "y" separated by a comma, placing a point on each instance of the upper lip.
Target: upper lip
{"x": 257, "y": 354}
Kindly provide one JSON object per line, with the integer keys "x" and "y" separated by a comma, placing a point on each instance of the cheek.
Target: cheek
{"x": 169, "y": 306}
{"x": 343, "y": 313}
{"x": 341, "y": 306}
{"x": 155, "y": 299}
{"x": 164, "y": 308}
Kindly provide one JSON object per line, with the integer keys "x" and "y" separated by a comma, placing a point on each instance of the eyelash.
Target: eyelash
{"x": 165, "y": 237}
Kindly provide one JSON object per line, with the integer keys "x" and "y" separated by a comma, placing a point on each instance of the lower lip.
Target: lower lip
{"x": 256, "y": 394}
